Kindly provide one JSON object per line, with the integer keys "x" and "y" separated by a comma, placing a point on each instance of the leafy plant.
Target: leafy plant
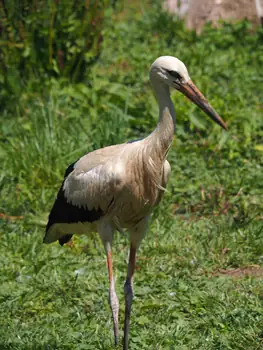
{"x": 48, "y": 38}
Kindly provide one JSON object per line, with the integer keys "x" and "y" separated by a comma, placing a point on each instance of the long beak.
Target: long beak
{"x": 191, "y": 91}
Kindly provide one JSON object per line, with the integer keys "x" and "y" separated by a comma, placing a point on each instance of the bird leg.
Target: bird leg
{"x": 113, "y": 299}
{"x": 128, "y": 291}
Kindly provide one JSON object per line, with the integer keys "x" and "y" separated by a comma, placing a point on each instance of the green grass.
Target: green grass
{"x": 57, "y": 298}
{"x": 209, "y": 223}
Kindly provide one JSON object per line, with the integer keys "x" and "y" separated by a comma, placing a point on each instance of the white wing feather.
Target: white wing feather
{"x": 95, "y": 188}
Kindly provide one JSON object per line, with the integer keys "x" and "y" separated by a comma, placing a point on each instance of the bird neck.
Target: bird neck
{"x": 161, "y": 138}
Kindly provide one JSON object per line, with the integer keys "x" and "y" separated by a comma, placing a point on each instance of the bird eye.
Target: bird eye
{"x": 175, "y": 75}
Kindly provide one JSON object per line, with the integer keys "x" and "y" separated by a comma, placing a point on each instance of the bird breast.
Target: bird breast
{"x": 144, "y": 181}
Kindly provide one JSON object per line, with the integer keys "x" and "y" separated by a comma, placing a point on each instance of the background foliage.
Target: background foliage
{"x": 64, "y": 92}
{"x": 43, "y": 39}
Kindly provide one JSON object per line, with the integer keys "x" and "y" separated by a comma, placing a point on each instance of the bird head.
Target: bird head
{"x": 173, "y": 72}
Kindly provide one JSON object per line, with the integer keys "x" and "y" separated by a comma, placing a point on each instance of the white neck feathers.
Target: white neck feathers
{"x": 162, "y": 137}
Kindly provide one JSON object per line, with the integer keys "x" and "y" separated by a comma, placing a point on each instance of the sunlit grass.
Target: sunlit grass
{"x": 57, "y": 297}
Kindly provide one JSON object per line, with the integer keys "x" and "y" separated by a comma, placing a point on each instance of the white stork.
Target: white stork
{"x": 117, "y": 187}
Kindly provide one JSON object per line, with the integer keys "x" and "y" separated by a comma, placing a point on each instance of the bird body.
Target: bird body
{"x": 121, "y": 184}
{"x": 117, "y": 187}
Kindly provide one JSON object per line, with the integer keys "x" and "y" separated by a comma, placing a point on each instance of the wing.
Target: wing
{"x": 97, "y": 178}
{"x": 84, "y": 197}
{"x": 64, "y": 216}
{"x": 95, "y": 189}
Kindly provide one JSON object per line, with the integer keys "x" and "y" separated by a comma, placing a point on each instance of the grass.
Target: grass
{"x": 198, "y": 283}
{"x": 57, "y": 298}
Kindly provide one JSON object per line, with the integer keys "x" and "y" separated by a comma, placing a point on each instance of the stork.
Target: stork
{"x": 117, "y": 187}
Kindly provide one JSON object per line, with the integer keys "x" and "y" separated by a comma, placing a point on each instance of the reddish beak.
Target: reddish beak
{"x": 191, "y": 91}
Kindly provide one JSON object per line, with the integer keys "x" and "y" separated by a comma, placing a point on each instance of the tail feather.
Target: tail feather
{"x": 65, "y": 239}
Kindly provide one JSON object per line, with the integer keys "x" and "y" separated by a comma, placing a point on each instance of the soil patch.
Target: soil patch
{"x": 246, "y": 271}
